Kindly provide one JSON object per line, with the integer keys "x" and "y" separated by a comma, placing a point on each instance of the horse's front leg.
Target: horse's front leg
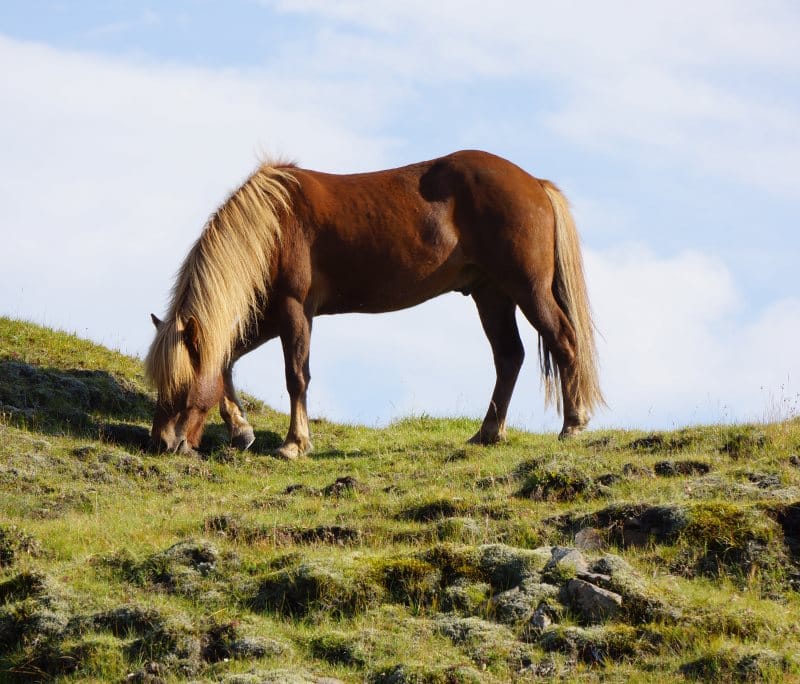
{"x": 295, "y": 333}
{"x": 232, "y": 412}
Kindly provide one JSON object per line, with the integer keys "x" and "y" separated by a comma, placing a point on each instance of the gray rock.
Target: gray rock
{"x": 596, "y": 578}
{"x": 593, "y": 603}
{"x": 541, "y": 619}
{"x": 565, "y": 560}
{"x": 518, "y": 604}
{"x": 612, "y": 565}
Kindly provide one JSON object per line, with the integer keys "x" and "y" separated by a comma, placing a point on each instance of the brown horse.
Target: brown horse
{"x": 291, "y": 244}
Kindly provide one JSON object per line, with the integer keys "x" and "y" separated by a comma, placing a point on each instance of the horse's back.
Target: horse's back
{"x": 477, "y": 185}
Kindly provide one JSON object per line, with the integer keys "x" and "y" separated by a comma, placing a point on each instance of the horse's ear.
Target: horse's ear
{"x": 156, "y": 320}
{"x": 191, "y": 334}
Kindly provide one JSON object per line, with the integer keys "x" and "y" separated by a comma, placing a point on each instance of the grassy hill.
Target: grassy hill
{"x": 392, "y": 555}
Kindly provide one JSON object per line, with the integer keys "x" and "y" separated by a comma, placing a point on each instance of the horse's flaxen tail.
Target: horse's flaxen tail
{"x": 569, "y": 289}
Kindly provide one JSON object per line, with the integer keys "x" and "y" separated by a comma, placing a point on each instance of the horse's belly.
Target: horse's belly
{"x": 378, "y": 284}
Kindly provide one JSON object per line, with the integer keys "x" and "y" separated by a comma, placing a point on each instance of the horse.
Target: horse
{"x": 291, "y": 244}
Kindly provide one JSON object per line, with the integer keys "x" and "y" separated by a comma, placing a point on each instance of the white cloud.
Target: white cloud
{"x": 711, "y": 84}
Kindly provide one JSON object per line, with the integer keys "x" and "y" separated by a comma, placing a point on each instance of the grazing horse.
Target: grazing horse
{"x": 291, "y": 244}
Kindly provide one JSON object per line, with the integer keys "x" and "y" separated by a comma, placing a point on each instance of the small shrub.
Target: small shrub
{"x": 728, "y": 539}
{"x": 22, "y": 586}
{"x": 311, "y": 587}
{"x": 465, "y": 530}
{"x": 14, "y": 541}
{"x": 453, "y": 561}
{"x": 742, "y": 441}
{"x": 411, "y": 674}
{"x": 595, "y": 645}
{"x": 485, "y": 642}
{"x": 338, "y": 649}
{"x": 432, "y": 510}
{"x": 411, "y": 581}
{"x": 505, "y": 567}
{"x": 565, "y": 484}
{"x": 738, "y": 665}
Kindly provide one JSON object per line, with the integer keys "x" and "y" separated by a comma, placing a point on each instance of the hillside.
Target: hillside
{"x": 392, "y": 555}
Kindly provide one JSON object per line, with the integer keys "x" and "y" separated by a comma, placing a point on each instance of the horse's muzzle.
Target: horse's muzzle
{"x": 178, "y": 446}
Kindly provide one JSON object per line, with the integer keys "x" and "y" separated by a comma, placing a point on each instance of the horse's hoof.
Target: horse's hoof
{"x": 485, "y": 439}
{"x": 571, "y": 431}
{"x": 186, "y": 449}
{"x": 291, "y": 451}
{"x": 243, "y": 438}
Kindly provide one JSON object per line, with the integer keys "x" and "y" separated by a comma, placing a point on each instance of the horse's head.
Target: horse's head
{"x": 186, "y": 391}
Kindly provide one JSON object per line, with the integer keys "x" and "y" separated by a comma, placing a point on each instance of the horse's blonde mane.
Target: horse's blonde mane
{"x": 223, "y": 282}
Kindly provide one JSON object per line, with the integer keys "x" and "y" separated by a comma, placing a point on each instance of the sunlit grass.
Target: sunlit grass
{"x": 370, "y": 582}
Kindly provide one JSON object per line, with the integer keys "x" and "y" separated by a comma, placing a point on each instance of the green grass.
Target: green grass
{"x": 430, "y": 565}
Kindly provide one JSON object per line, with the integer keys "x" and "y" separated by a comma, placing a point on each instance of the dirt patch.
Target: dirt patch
{"x": 343, "y": 486}
{"x": 224, "y": 641}
{"x": 432, "y": 510}
{"x": 126, "y": 435}
{"x": 338, "y": 648}
{"x": 322, "y": 534}
{"x": 594, "y": 645}
{"x": 628, "y": 524}
{"x": 687, "y": 467}
{"x": 231, "y": 527}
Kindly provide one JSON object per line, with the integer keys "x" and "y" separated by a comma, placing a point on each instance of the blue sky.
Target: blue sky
{"x": 672, "y": 127}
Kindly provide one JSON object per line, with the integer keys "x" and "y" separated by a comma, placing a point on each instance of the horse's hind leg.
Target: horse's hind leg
{"x": 558, "y": 337}
{"x": 230, "y": 408}
{"x": 497, "y": 311}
